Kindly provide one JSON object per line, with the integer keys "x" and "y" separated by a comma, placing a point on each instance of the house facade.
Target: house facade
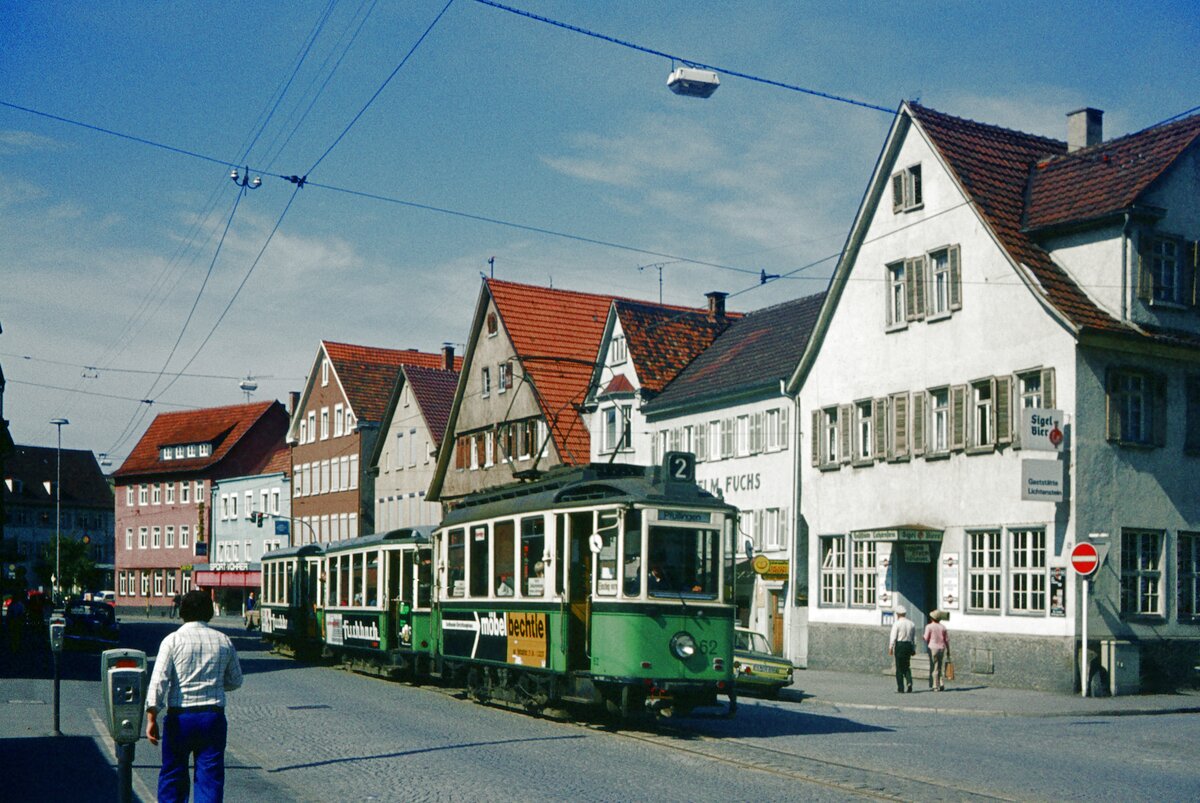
{"x": 1005, "y": 367}
{"x": 729, "y": 408}
{"x": 332, "y": 433}
{"x": 405, "y": 456}
{"x": 164, "y": 489}
{"x": 30, "y": 506}
{"x": 250, "y": 515}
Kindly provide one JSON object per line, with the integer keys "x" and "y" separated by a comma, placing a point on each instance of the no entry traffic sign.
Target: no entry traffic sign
{"x": 1084, "y": 559}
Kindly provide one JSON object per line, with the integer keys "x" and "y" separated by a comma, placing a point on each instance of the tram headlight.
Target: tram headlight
{"x": 683, "y": 646}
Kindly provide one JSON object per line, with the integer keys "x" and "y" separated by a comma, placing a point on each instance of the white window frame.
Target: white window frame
{"x": 485, "y": 381}
{"x": 324, "y": 372}
{"x": 618, "y": 351}
{"x": 338, "y": 421}
{"x": 156, "y": 537}
{"x": 1027, "y": 572}
{"x": 143, "y": 537}
{"x": 170, "y": 493}
{"x": 128, "y": 539}
{"x": 169, "y": 536}
{"x": 897, "y": 295}
{"x": 833, "y": 571}
{"x": 907, "y": 191}
{"x": 143, "y": 494}
{"x": 863, "y": 573}
{"x": 324, "y": 423}
{"x": 184, "y": 536}
{"x": 1142, "y": 572}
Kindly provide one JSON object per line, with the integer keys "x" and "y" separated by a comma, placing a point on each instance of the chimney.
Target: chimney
{"x": 293, "y": 402}
{"x": 716, "y": 306}
{"x": 448, "y": 356}
{"x": 1085, "y": 128}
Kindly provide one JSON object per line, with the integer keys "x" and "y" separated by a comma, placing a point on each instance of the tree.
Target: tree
{"x": 78, "y": 569}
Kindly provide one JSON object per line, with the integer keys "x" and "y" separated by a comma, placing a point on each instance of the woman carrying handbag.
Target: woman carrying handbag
{"x": 937, "y": 638}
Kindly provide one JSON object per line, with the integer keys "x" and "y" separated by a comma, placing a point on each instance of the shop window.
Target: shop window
{"x": 1027, "y": 571}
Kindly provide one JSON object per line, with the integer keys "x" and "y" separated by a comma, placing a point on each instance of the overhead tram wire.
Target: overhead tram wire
{"x": 722, "y": 70}
{"x": 382, "y": 86}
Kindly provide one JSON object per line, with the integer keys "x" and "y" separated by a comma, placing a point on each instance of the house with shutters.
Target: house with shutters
{"x": 729, "y": 408}
{"x": 405, "y": 455}
{"x": 163, "y": 494}
{"x": 335, "y": 421}
{"x": 644, "y": 347}
{"x": 1007, "y": 364}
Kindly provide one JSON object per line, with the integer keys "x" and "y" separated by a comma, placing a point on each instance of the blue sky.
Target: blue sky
{"x": 106, "y": 243}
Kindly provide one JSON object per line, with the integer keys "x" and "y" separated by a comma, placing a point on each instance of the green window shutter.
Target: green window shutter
{"x": 1192, "y": 270}
{"x": 880, "y": 425}
{"x": 1049, "y": 399}
{"x": 955, "y": 277}
{"x": 958, "y": 417}
{"x": 1017, "y": 415}
{"x": 1002, "y": 409}
{"x": 783, "y": 427}
{"x": 1145, "y": 276}
{"x": 815, "y": 437}
{"x": 1113, "y": 406}
{"x": 918, "y": 423}
{"x": 914, "y": 286}
{"x": 846, "y": 429}
{"x": 897, "y": 192}
{"x": 1158, "y": 426}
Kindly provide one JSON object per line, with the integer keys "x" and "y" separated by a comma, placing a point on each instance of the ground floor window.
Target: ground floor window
{"x": 862, "y": 573}
{"x": 145, "y": 584}
{"x": 1187, "y": 582}
{"x": 983, "y": 571}
{"x": 1028, "y": 571}
{"x": 1141, "y": 572}
{"x": 833, "y": 570}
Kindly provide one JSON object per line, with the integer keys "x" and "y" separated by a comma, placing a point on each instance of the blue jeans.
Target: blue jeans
{"x": 188, "y": 733}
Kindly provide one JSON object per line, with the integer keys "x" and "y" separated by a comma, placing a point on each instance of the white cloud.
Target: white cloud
{"x": 14, "y": 142}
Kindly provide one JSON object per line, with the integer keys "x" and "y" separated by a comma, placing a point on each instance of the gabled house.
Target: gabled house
{"x": 728, "y": 407}
{"x": 644, "y": 347}
{"x": 405, "y": 455}
{"x": 525, "y": 373}
{"x": 163, "y": 493}
{"x": 1007, "y": 364}
{"x": 335, "y": 422}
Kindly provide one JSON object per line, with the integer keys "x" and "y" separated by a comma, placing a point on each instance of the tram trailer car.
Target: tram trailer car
{"x": 608, "y": 585}
{"x": 376, "y": 591}
{"x": 289, "y": 614}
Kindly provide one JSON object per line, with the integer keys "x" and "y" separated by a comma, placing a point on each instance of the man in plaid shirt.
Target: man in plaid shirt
{"x": 195, "y": 666}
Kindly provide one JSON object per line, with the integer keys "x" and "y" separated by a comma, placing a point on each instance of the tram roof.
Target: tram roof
{"x": 596, "y": 483}
{"x": 304, "y": 550}
{"x": 403, "y": 535}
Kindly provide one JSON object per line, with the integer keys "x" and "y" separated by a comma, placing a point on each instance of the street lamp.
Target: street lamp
{"x": 60, "y": 423}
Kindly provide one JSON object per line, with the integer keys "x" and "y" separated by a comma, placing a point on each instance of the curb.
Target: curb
{"x": 991, "y": 712}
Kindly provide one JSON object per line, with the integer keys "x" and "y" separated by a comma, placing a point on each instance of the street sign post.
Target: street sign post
{"x": 1085, "y": 559}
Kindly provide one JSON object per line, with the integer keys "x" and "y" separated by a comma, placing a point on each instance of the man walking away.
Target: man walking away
{"x": 902, "y": 644}
{"x": 938, "y": 639}
{"x": 195, "y": 666}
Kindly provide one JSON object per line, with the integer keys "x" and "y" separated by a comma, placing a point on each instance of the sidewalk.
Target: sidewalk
{"x": 876, "y": 691}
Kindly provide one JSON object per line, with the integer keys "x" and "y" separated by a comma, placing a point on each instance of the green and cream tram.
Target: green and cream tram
{"x": 288, "y": 602}
{"x": 604, "y": 585}
{"x": 377, "y": 592}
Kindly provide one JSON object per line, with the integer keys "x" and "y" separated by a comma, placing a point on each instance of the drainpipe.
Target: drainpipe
{"x": 1125, "y": 269}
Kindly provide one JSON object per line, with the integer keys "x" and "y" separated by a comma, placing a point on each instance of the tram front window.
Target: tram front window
{"x": 683, "y": 561}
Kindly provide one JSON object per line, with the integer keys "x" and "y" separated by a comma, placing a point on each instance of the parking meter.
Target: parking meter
{"x": 124, "y": 679}
{"x": 58, "y": 627}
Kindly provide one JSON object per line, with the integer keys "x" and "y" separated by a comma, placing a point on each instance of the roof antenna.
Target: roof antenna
{"x": 492, "y": 267}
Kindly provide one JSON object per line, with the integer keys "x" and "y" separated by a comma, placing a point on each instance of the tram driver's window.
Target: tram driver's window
{"x": 477, "y": 550}
{"x": 607, "y": 529}
{"x": 632, "y": 560}
{"x": 533, "y": 551}
{"x": 372, "y": 579}
{"x": 424, "y": 578}
{"x": 456, "y": 574}
{"x": 502, "y": 558}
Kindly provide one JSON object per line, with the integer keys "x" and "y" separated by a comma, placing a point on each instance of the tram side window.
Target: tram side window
{"x": 424, "y": 577}
{"x": 286, "y": 591}
{"x": 633, "y": 553}
{"x": 404, "y": 566}
{"x": 560, "y": 541}
{"x": 533, "y": 550}
{"x": 606, "y": 583}
{"x": 343, "y": 586}
{"x": 456, "y": 573}
{"x": 312, "y": 584}
{"x": 478, "y": 549}
{"x": 502, "y": 558}
{"x": 356, "y": 578}
{"x": 683, "y": 561}
{"x": 372, "y": 579}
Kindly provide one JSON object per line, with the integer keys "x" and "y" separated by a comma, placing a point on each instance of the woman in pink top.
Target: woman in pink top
{"x": 938, "y": 641}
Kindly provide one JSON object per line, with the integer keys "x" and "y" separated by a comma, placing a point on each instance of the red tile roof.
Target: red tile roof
{"x": 223, "y": 427}
{"x": 619, "y": 384}
{"x": 280, "y": 461}
{"x": 993, "y": 165}
{"x": 663, "y": 340}
{"x": 1106, "y": 178}
{"x": 368, "y": 374}
{"x": 434, "y": 390}
{"x": 556, "y": 334}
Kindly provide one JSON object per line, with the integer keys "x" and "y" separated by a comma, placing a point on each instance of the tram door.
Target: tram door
{"x": 579, "y": 590}
{"x": 396, "y": 592}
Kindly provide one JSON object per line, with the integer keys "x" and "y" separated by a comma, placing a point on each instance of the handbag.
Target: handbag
{"x": 949, "y": 670}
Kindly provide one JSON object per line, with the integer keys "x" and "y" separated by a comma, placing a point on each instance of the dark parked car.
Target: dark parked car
{"x": 755, "y": 668}
{"x": 91, "y": 626}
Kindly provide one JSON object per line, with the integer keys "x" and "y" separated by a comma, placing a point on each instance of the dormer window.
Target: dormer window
{"x": 166, "y": 453}
{"x": 192, "y": 450}
{"x": 184, "y": 450}
{"x": 618, "y": 351}
{"x": 205, "y": 449}
{"x": 906, "y": 189}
